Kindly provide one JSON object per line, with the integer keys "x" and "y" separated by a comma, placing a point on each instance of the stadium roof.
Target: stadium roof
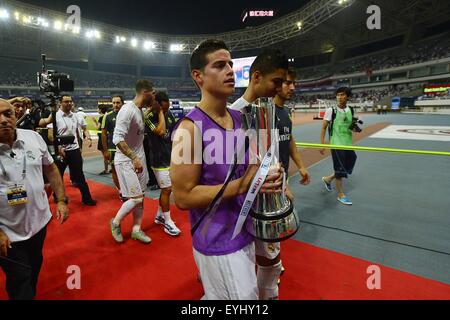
{"x": 279, "y": 29}
{"x": 178, "y": 17}
{"x": 311, "y": 27}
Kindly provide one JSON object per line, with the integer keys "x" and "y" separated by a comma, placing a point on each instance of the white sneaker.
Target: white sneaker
{"x": 140, "y": 236}
{"x": 159, "y": 219}
{"x": 170, "y": 228}
{"x": 116, "y": 232}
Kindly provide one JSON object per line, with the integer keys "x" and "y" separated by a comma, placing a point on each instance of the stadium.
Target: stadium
{"x": 399, "y": 76}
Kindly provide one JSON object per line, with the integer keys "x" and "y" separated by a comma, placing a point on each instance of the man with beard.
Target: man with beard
{"x": 109, "y": 148}
{"x": 130, "y": 162}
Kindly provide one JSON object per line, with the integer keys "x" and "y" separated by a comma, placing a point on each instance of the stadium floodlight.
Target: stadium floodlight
{"x": 42, "y": 22}
{"x": 26, "y": 19}
{"x": 4, "y": 14}
{"x": 176, "y": 47}
{"x": 299, "y": 25}
{"x": 74, "y": 29}
{"x": 93, "y": 34}
{"x": 120, "y": 39}
{"x": 57, "y": 25}
{"x": 17, "y": 15}
{"x": 134, "y": 42}
{"x": 149, "y": 45}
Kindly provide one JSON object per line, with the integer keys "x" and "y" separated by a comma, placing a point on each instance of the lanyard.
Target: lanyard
{"x": 24, "y": 168}
{"x": 71, "y": 130}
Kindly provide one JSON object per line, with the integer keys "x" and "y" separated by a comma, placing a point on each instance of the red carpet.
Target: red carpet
{"x": 165, "y": 269}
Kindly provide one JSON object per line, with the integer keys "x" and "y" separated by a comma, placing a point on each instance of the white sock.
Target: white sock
{"x": 138, "y": 213}
{"x": 159, "y": 212}
{"x": 166, "y": 216}
{"x": 125, "y": 209}
{"x": 267, "y": 281}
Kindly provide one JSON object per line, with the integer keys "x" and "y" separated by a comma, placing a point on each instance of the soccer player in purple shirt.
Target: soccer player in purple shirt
{"x": 226, "y": 266}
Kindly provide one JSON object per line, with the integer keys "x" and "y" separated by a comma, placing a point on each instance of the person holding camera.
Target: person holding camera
{"x": 68, "y": 148}
{"x": 340, "y": 124}
{"x": 24, "y": 208}
{"x": 29, "y": 117}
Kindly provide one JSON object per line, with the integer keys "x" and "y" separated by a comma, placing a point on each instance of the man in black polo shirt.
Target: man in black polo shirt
{"x": 160, "y": 122}
{"x": 287, "y": 144}
{"x": 109, "y": 148}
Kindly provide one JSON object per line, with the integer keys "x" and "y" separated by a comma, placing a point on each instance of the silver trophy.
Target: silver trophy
{"x": 273, "y": 215}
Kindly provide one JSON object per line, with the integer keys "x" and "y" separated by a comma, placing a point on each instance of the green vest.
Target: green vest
{"x": 342, "y": 135}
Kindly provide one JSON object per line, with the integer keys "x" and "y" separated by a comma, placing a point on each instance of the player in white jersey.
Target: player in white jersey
{"x": 130, "y": 162}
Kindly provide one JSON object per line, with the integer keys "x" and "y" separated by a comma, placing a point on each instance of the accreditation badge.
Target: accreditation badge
{"x": 17, "y": 194}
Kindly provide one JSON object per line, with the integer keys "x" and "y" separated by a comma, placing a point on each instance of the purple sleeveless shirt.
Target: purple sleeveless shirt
{"x": 217, "y": 239}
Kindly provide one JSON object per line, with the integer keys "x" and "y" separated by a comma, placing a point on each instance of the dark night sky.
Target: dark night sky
{"x": 174, "y": 16}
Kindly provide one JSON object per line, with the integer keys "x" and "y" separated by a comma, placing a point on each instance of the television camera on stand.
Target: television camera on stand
{"x": 52, "y": 83}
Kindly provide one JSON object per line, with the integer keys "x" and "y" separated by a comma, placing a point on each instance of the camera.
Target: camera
{"x": 52, "y": 82}
{"x": 354, "y": 125}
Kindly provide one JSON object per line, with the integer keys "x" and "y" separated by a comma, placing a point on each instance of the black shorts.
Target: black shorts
{"x": 343, "y": 162}
{"x": 99, "y": 143}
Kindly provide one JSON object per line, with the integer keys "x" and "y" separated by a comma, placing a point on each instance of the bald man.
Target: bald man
{"x": 24, "y": 207}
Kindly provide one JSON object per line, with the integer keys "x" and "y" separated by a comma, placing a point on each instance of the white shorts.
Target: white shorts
{"x": 267, "y": 249}
{"x": 230, "y": 276}
{"x": 132, "y": 184}
{"x": 163, "y": 177}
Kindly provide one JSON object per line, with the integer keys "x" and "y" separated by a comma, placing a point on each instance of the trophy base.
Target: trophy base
{"x": 275, "y": 227}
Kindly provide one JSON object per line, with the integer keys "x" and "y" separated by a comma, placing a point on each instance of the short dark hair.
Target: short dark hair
{"x": 65, "y": 95}
{"x": 161, "y": 96}
{"x": 198, "y": 57}
{"x": 292, "y": 73}
{"x": 345, "y": 90}
{"x": 143, "y": 84}
{"x": 118, "y": 96}
{"x": 269, "y": 61}
{"x": 103, "y": 108}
